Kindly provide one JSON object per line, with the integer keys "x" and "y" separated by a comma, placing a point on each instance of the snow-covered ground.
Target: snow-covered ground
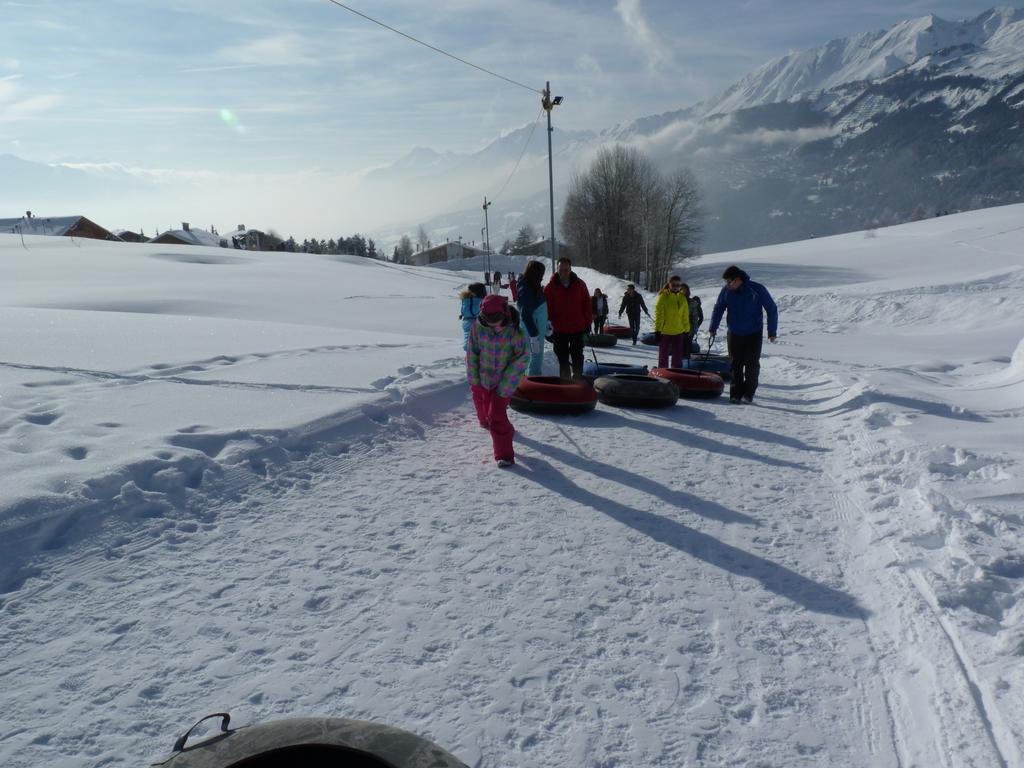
{"x": 251, "y": 482}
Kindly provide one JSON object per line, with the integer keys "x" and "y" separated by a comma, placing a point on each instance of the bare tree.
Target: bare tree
{"x": 404, "y": 251}
{"x": 422, "y": 239}
{"x": 625, "y": 218}
{"x": 682, "y": 219}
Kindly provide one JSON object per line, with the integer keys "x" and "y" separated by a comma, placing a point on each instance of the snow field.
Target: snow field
{"x": 284, "y": 518}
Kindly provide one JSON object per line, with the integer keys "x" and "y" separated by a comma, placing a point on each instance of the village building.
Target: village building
{"x": 450, "y": 251}
{"x": 56, "y": 226}
{"x": 253, "y": 240}
{"x": 542, "y": 249}
{"x": 189, "y": 235}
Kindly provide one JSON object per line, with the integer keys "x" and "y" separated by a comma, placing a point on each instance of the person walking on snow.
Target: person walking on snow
{"x": 496, "y": 359}
{"x": 747, "y": 302}
{"x": 571, "y": 315}
{"x": 696, "y": 318}
{"x": 599, "y": 309}
{"x": 632, "y": 303}
{"x": 534, "y": 310}
{"x": 671, "y": 323}
{"x": 471, "y": 298}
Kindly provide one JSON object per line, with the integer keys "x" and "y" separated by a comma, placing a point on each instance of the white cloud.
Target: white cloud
{"x": 10, "y": 64}
{"x": 26, "y": 108}
{"x": 13, "y": 107}
{"x": 657, "y": 50}
{"x": 288, "y": 50}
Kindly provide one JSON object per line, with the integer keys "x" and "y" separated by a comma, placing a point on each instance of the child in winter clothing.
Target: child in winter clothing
{"x": 534, "y": 309}
{"x": 497, "y": 353}
{"x": 471, "y": 298}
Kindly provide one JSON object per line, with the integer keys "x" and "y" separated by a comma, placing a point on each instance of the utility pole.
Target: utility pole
{"x": 548, "y": 103}
{"x": 487, "y": 229}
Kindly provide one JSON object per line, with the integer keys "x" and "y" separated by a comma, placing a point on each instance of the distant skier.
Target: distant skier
{"x": 746, "y": 302}
{"x": 671, "y": 323}
{"x": 496, "y": 358}
{"x": 632, "y": 303}
{"x": 534, "y": 310}
{"x": 471, "y": 299}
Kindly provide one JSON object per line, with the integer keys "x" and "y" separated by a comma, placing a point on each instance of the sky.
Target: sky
{"x": 253, "y": 483}
{"x": 306, "y": 94}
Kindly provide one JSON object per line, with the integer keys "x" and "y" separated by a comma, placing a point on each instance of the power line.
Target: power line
{"x": 525, "y": 146}
{"x": 434, "y": 48}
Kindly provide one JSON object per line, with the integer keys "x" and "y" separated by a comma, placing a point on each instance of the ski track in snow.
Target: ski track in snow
{"x": 697, "y": 602}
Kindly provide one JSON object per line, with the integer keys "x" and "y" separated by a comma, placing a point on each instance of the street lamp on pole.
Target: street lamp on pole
{"x": 487, "y": 229}
{"x": 550, "y": 103}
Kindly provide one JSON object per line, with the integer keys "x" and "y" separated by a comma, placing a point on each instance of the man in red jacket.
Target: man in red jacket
{"x": 570, "y": 315}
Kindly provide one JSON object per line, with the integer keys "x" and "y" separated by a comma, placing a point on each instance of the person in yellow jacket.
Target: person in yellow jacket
{"x": 671, "y": 322}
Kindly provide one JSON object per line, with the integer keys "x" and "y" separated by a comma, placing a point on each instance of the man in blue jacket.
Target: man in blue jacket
{"x": 746, "y": 302}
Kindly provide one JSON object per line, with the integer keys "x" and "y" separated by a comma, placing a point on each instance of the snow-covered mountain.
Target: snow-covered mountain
{"x": 876, "y": 128}
{"x": 988, "y": 46}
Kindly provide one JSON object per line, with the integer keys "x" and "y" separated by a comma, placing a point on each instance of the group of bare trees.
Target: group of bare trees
{"x": 625, "y": 218}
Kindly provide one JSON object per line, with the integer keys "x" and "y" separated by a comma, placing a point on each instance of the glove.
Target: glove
{"x": 657, "y": 335}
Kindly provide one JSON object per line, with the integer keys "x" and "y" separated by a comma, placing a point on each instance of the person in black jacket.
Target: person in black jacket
{"x": 632, "y": 303}
{"x": 599, "y": 307}
{"x": 696, "y": 318}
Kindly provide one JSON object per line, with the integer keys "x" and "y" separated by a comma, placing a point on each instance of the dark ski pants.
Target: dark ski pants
{"x": 599, "y": 323}
{"x": 745, "y": 352}
{"x": 634, "y": 324}
{"x": 569, "y": 351}
{"x": 687, "y": 345}
{"x": 670, "y": 349}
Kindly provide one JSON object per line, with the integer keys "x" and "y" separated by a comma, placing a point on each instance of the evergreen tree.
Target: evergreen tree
{"x": 524, "y": 238}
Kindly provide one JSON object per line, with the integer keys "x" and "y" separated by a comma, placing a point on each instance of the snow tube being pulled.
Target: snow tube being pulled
{"x": 601, "y": 340}
{"x": 692, "y": 383}
{"x": 720, "y": 364}
{"x": 549, "y": 394}
{"x": 632, "y": 391}
{"x": 594, "y": 369}
{"x": 311, "y": 742}
{"x": 619, "y": 331}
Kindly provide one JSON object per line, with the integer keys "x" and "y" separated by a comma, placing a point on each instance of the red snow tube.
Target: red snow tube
{"x": 621, "y": 331}
{"x": 692, "y": 383}
{"x": 549, "y": 394}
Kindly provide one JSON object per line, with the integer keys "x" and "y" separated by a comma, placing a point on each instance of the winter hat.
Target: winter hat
{"x": 493, "y": 305}
{"x": 494, "y": 310}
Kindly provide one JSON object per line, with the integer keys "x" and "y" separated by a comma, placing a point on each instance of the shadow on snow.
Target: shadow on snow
{"x": 772, "y": 576}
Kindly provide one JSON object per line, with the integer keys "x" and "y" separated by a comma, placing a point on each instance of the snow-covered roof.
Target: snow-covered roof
{"x": 193, "y": 236}
{"x": 48, "y": 225}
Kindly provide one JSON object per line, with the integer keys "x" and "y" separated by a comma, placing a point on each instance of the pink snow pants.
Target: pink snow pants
{"x": 492, "y": 411}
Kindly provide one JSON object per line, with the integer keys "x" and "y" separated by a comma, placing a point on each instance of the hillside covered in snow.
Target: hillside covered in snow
{"x": 252, "y": 483}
